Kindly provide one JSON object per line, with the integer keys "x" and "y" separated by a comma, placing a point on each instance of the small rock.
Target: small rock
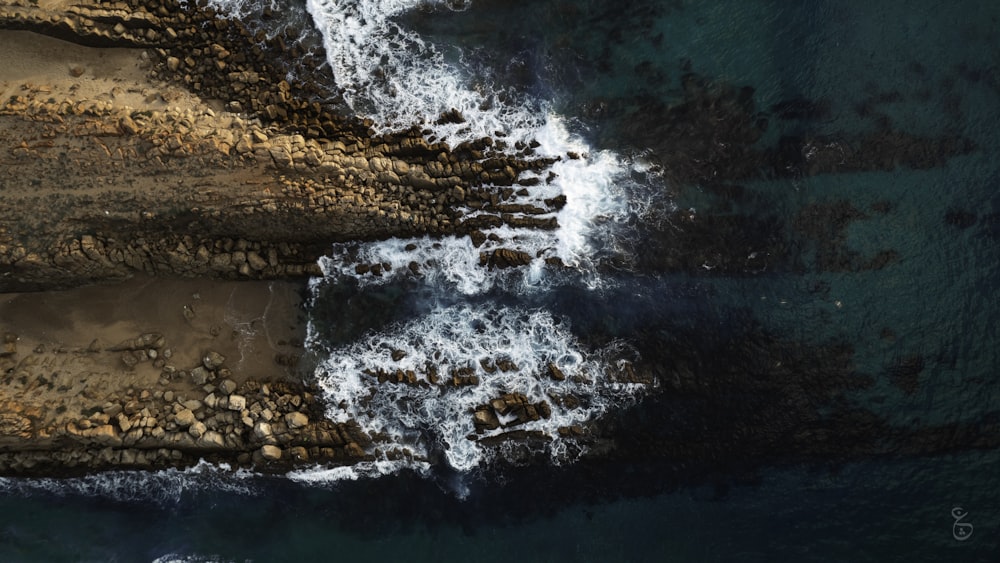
{"x": 227, "y": 386}
{"x": 200, "y": 375}
{"x": 197, "y": 429}
{"x": 237, "y": 402}
{"x": 9, "y": 345}
{"x": 262, "y": 430}
{"x": 213, "y": 360}
{"x": 129, "y": 359}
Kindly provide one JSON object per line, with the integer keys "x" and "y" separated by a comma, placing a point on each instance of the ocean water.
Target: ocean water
{"x": 814, "y": 402}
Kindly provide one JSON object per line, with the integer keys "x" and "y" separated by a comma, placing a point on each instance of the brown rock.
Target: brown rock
{"x": 270, "y": 453}
{"x": 296, "y": 420}
{"x": 556, "y": 373}
{"x": 509, "y": 258}
{"x": 227, "y": 386}
{"x": 197, "y": 429}
{"x": 486, "y": 419}
{"x": 213, "y": 360}
{"x": 104, "y": 434}
{"x": 262, "y": 431}
{"x": 184, "y": 418}
{"x": 9, "y": 345}
{"x": 212, "y": 439}
{"x": 237, "y": 402}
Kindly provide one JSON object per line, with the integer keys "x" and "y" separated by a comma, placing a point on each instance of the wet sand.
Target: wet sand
{"x": 61, "y": 356}
{"x": 247, "y": 322}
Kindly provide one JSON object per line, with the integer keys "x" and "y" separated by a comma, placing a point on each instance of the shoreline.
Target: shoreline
{"x": 161, "y": 144}
{"x": 178, "y": 151}
{"x": 147, "y": 143}
{"x": 157, "y": 373}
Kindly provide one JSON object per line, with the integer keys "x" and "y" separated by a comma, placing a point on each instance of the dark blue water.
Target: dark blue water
{"x": 833, "y": 397}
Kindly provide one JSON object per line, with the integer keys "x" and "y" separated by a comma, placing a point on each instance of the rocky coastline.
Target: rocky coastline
{"x": 188, "y": 155}
{"x": 210, "y": 163}
{"x": 159, "y": 141}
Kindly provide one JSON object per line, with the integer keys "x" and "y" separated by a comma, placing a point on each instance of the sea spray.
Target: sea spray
{"x": 398, "y": 79}
{"x": 501, "y": 350}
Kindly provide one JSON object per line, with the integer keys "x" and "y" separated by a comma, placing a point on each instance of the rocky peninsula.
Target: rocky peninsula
{"x": 160, "y": 176}
{"x": 144, "y": 142}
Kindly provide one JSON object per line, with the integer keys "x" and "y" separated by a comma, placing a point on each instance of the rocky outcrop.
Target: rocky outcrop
{"x": 189, "y": 414}
{"x": 256, "y": 190}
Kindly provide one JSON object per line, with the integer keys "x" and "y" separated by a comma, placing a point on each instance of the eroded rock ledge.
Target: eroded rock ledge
{"x": 204, "y": 161}
{"x": 162, "y": 140}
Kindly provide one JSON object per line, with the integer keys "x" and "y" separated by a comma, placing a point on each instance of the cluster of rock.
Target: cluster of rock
{"x": 317, "y": 176}
{"x": 255, "y": 191}
{"x": 501, "y": 420}
{"x": 290, "y": 207}
{"x": 264, "y": 425}
{"x": 515, "y": 408}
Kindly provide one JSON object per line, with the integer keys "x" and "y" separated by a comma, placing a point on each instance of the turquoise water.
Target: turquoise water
{"x": 924, "y": 68}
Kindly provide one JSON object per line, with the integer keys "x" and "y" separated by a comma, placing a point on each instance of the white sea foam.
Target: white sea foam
{"x": 163, "y": 487}
{"x": 397, "y": 78}
{"x": 438, "y": 417}
{"x": 320, "y": 475}
{"x": 179, "y": 558}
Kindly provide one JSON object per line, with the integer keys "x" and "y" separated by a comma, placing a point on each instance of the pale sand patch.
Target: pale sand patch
{"x": 247, "y": 322}
{"x": 119, "y": 76}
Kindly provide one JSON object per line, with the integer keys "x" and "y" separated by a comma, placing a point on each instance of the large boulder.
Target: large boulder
{"x": 262, "y": 431}
{"x": 270, "y": 453}
{"x": 227, "y": 386}
{"x": 197, "y": 429}
{"x": 296, "y": 420}
{"x": 184, "y": 418}
{"x": 486, "y": 419}
{"x": 509, "y": 258}
{"x": 212, "y": 439}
